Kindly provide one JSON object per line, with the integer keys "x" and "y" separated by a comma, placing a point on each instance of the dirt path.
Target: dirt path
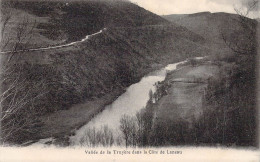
{"x": 54, "y": 47}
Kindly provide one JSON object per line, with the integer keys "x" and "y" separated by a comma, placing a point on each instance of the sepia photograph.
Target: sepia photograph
{"x": 129, "y": 78}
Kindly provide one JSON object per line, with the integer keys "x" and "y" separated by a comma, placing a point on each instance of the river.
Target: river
{"x": 129, "y": 103}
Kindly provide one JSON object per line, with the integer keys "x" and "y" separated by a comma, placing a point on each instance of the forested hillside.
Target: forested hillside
{"x": 134, "y": 43}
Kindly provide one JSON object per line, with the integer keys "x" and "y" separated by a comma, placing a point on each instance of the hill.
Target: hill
{"x": 73, "y": 20}
{"x": 208, "y": 25}
{"x": 215, "y": 28}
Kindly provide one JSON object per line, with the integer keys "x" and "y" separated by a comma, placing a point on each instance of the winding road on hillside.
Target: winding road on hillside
{"x": 55, "y": 47}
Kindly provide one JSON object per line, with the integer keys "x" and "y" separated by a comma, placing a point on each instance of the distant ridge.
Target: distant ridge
{"x": 211, "y": 26}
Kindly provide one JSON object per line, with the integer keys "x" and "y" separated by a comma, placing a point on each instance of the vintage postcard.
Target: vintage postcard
{"x": 129, "y": 80}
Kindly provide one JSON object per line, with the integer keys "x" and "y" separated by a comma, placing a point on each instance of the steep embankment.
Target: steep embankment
{"x": 89, "y": 71}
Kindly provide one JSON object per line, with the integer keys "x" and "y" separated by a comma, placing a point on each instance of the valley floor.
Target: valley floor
{"x": 184, "y": 97}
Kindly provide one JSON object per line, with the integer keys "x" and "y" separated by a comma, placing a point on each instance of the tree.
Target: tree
{"x": 247, "y": 43}
{"x": 140, "y": 128}
{"x": 128, "y": 126}
{"x": 17, "y": 89}
{"x": 101, "y": 137}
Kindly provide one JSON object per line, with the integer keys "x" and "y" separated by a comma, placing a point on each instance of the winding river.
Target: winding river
{"x": 129, "y": 103}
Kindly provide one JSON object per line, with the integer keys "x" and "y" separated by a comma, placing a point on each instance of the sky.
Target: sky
{"x": 165, "y": 7}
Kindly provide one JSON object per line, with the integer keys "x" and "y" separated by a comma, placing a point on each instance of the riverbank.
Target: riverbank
{"x": 62, "y": 124}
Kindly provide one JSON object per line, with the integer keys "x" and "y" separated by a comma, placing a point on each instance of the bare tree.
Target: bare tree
{"x": 17, "y": 102}
{"x": 128, "y": 126}
{"x": 17, "y": 91}
{"x": 140, "y": 128}
{"x": 246, "y": 44}
{"x": 102, "y": 137}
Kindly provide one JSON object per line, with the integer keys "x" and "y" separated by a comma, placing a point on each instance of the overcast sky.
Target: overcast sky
{"x": 165, "y": 7}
